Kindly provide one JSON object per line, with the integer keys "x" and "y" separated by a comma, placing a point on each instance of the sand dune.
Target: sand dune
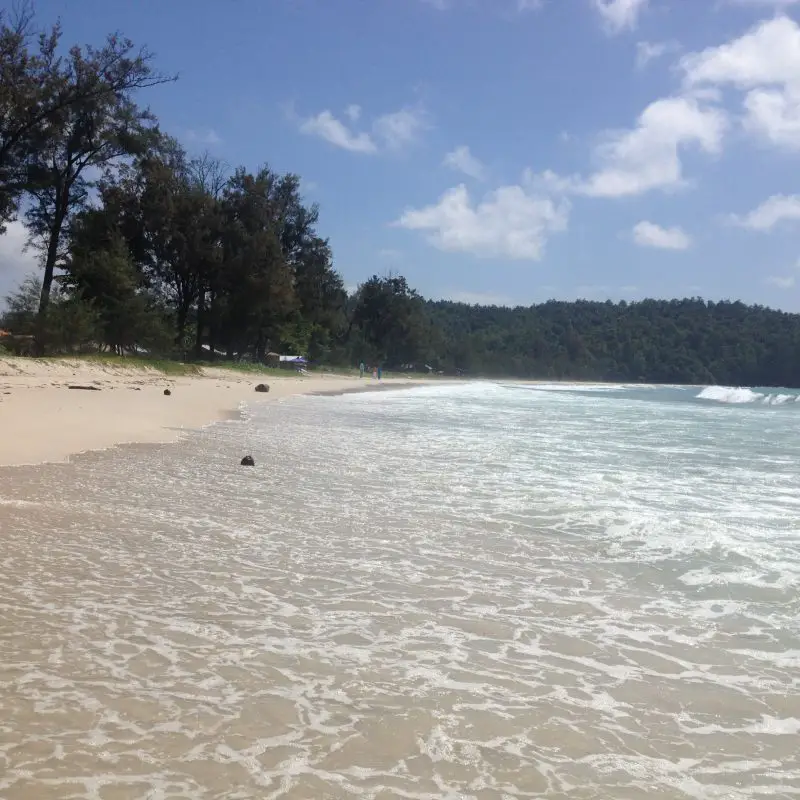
{"x": 42, "y": 419}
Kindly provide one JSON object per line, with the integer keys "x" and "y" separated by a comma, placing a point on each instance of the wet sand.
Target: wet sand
{"x": 43, "y": 420}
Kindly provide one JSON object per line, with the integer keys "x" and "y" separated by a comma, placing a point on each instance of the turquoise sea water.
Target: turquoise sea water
{"x": 473, "y": 591}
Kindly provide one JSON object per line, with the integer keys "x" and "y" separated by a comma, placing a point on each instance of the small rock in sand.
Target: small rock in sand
{"x": 262, "y": 387}
{"x": 167, "y": 392}
{"x": 248, "y": 461}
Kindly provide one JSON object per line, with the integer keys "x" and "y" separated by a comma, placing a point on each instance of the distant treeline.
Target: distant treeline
{"x": 145, "y": 249}
{"x": 653, "y": 341}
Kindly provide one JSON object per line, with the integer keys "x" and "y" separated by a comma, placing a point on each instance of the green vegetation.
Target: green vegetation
{"x": 163, "y": 365}
{"x": 654, "y": 341}
{"x": 155, "y": 258}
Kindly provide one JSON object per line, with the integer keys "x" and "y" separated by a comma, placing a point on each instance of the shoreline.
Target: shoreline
{"x": 43, "y": 421}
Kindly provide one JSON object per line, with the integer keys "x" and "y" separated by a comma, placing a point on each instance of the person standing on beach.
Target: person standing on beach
{"x": 374, "y": 373}
{"x": 380, "y": 372}
{"x": 361, "y": 369}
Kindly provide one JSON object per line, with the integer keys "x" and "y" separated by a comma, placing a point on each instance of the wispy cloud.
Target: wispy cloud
{"x": 308, "y": 187}
{"x": 649, "y": 234}
{"x": 650, "y": 51}
{"x": 462, "y": 160}
{"x": 207, "y": 137}
{"x": 325, "y": 126}
{"x": 619, "y": 15}
{"x": 772, "y": 212}
{"x": 782, "y": 281}
{"x": 390, "y": 254}
{"x": 400, "y": 128}
{"x": 393, "y": 131}
{"x": 787, "y": 281}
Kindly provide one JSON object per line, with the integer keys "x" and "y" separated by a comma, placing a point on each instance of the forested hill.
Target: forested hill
{"x": 659, "y": 341}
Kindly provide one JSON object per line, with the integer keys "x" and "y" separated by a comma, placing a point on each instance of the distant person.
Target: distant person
{"x": 380, "y": 372}
{"x": 361, "y": 368}
{"x": 374, "y": 373}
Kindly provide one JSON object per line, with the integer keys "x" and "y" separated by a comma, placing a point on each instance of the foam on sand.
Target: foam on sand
{"x": 41, "y": 420}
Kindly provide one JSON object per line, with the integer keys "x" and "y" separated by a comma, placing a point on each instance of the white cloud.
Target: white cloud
{"x": 764, "y": 64}
{"x": 391, "y": 131}
{"x": 619, "y": 15}
{"x": 647, "y": 156}
{"x": 462, "y": 160}
{"x": 15, "y": 263}
{"x": 308, "y": 187}
{"x": 648, "y": 234}
{"x": 774, "y": 210}
{"x": 510, "y": 222}
{"x": 206, "y": 137}
{"x": 327, "y": 127}
{"x": 400, "y": 128}
{"x": 649, "y": 51}
{"x": 785, "y": 281}
{"x": 549, "y": 182}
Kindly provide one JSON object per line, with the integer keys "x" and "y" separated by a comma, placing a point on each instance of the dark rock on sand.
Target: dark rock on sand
{"x": 262, "y": 387}
{"x": 167, "y": 392}
{"x": 85, "y": 388}
{"x": 248, "y": 461}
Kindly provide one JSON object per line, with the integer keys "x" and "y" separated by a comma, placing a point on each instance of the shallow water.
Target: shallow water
{"x": 451, "y": 592}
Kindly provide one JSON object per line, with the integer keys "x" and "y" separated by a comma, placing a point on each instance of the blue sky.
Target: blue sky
{"x": 500, "y": 150}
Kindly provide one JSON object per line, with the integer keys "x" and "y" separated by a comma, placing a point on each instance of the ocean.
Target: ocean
{"x": 457, "y": 591}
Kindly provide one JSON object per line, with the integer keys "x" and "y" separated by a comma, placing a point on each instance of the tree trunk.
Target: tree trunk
{"x": 47, "y": 280}
{"x": 201, "y": 322}
{"x": 261, "y": 346}
{"x": 213, "y": 323}
{"x": 182, "y": 314}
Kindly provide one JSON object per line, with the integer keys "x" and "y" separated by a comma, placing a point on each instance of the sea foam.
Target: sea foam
{"x": 477, "y": 591}
{"x": 741, "y": 395}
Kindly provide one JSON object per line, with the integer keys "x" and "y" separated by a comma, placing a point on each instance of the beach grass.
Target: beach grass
{"x": 163, "y": 365}
{"x": 172, "y": 367}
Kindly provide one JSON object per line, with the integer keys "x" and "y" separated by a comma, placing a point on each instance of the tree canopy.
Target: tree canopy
{"x": 146, "y": 248}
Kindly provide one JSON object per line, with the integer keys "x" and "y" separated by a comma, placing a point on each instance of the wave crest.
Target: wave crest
{"x": 739, "y": 395}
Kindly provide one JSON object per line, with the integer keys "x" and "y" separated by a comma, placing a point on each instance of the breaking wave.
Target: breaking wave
{"x": 742, "y": 395}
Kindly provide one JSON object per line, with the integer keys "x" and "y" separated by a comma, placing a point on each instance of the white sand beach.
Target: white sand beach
{"x": 43, "y": 420}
